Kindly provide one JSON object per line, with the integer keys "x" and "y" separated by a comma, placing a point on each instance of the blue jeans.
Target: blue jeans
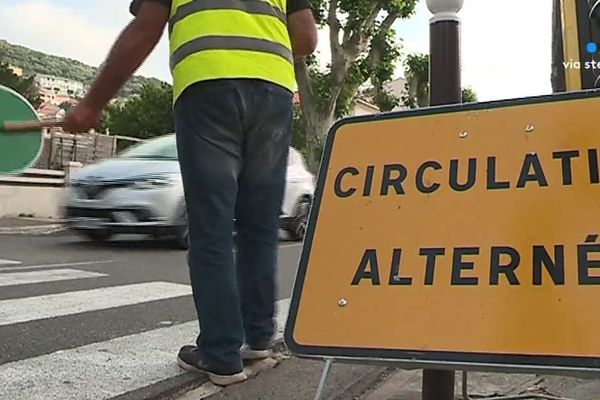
{"x": 233, "y": 140}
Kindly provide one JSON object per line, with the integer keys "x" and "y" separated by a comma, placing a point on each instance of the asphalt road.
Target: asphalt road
{"x": 81, "y": 320}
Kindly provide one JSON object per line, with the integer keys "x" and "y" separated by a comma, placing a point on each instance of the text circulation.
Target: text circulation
{"x": 396, "y": 178}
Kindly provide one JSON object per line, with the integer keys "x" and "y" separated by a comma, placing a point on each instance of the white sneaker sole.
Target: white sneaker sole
{"x": 219, "y": 380}
{"x": 249, "y": 354}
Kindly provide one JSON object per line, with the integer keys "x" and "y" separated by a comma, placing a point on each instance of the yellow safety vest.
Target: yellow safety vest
{"x": 220, "y": 39}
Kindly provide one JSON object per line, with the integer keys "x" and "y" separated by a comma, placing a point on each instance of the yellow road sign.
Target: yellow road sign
{"x": 457, "y": 236}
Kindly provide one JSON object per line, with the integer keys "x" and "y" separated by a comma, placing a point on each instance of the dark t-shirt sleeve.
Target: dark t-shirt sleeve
{"x": 136, "y": 4}
{"x": 297, "y": 5}
{"x": 292, "y": 5}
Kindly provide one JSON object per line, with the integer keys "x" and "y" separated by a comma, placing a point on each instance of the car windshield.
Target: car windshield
{"x": 163, "y": 147}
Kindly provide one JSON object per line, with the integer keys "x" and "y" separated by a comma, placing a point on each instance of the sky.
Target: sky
{"x": 506, "y": 44}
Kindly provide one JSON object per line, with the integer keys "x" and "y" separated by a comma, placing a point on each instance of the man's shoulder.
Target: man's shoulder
{"x": 292, "y": 5}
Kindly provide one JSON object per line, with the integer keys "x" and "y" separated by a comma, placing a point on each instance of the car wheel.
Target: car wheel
{"x": 300, "y": 222}
{"x": 98, "y": 236}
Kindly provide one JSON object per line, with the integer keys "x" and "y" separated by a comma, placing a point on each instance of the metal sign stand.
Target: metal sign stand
{"x": 324, "y": 376}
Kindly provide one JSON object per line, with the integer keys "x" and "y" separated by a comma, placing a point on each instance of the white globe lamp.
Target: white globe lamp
{"x": 444, "y": 10}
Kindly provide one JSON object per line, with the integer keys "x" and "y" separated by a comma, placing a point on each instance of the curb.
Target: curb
{"x": 209, "y": 389}
{"x": 32, "y": 230}
{"x": 192, "y": 386}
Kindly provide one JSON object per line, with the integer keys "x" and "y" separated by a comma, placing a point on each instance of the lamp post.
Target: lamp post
{"x": 444, "y": 88}
{"x": 444, "y": 62}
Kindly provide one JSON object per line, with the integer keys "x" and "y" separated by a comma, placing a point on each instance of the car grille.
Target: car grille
{"x": 77, "y": 212}
{"x": 93, "y": 191}
{"x": 108, "y": 215}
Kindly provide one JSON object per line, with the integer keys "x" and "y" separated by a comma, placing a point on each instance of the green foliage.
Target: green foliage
{"x": 357, "y": 12}
{"x": 416, "y": 92}
{"x": 376, "y": 64}
{"x": 469, "y": 95}
{"x": 147, "y": 115}
{"x": 34, "y": 62}
{"x": 364, "y": 51}
{"x": 356, "y": 75}
{"x": 25, "y": 86}
{"x": 384, "y": 71}
{"x": 298, "y": 131}
{"x": 320, "y": 83}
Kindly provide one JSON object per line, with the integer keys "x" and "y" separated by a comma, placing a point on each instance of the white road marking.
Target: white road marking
{"x": 55, "y": 275}
{"x": 15, "y": 311}
{"x": 69, "y": 264}
{"x": 9, "y": 262}
{"x": 103, "y": 370}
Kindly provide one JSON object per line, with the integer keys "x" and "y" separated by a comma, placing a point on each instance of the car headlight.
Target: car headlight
{"x": 153, "y": 182}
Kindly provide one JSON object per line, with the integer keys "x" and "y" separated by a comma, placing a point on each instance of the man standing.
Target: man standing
{"x": 233, "y": 78}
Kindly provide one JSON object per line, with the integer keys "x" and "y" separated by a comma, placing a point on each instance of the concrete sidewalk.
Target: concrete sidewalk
{"x": 291, "y": 378}
{"x": 284, "y": 377}
{"x": 406, "y": 385}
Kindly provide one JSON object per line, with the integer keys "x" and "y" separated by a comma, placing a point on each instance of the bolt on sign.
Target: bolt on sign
{"x": 457, "y": 236}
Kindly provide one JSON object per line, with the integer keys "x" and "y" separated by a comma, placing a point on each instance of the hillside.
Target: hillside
{"x": 35, "y": 62}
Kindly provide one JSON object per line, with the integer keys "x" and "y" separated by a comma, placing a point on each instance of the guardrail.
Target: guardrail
{"x": 35, "y": 176}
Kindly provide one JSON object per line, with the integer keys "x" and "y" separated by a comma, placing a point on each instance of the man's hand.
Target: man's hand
{"x": 82, "y": 118}
{"x": 130, "y": 50}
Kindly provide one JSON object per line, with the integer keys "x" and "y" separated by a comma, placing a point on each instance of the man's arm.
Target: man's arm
{"x": 301, "y": 27}
{"x": 130, "y": 50}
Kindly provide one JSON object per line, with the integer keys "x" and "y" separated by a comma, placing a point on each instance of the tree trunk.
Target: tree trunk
{"x": 317, "y": 130}
{"x": 316, "y": 120}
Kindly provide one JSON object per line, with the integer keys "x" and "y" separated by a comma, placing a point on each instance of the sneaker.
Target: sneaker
{"x": 256, "y": 351}
{"x": 189, "y": 359}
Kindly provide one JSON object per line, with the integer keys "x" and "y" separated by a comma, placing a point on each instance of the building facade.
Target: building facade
{"x": 398, "y": 87}
{"x": 60, "y": 86}
{"x": 362, "y": 107}
{"x": 16, "y": 70}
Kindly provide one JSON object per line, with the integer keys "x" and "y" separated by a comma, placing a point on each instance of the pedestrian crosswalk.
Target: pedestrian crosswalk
{"x": 99, "y": 370}
{"x": 56, "y": 305}
{"x": 24, "y": 278}
{"x": 9, "y": 262}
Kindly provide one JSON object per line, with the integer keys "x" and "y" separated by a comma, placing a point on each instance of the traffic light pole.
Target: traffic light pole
{"x": 445, "y": 88}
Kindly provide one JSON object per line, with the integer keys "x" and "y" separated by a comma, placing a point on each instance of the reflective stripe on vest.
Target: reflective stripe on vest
{"x": 230, "y": 43}
{"x": 219, "y": 39}
{"x": 249, "y": 6}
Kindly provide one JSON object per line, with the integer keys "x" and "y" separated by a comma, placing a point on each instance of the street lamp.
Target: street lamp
{"x": 444, "y": 88}
{"x": 444, "y": 58}
{"x": 445, "y": 10}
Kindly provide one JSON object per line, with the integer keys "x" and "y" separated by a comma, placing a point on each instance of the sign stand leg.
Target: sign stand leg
{"x": 324, "y": 377}
{"x": 465, "y": 390}
{"x": 438, "y": 385}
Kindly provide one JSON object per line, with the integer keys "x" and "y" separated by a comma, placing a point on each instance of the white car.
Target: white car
{"x": 141, "y": 192}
